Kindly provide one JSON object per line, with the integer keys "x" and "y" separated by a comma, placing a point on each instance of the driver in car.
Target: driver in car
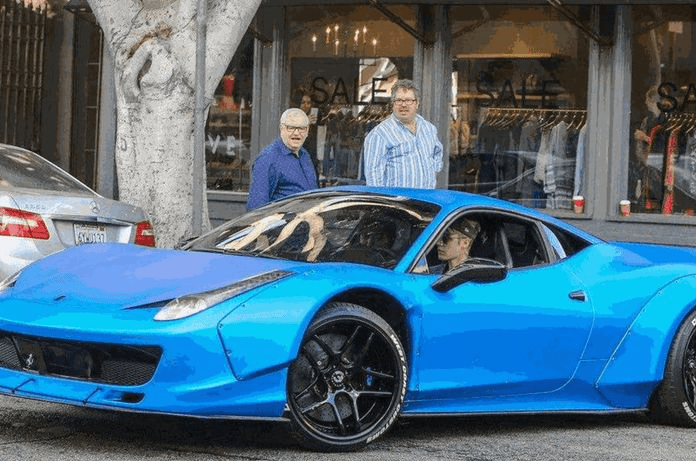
{"x": 454, "y": 246}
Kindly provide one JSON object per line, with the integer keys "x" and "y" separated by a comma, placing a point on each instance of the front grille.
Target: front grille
{"x": 8, "y": 354}
{"x": 102, "y": 363}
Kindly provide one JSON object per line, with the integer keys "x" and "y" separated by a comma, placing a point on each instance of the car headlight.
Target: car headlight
{"x": 9, "y": 282}
{"x": 189, "y": 305}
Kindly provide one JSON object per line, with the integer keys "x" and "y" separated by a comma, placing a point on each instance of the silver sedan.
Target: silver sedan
{"x": 44, "y": 210}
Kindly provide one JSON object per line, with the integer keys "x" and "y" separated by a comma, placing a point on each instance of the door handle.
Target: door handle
{"x": 578, "y": 295}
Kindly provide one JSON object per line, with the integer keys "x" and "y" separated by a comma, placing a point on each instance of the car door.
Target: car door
{"x": 523, "y": 334}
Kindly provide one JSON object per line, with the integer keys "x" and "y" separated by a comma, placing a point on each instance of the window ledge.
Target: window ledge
{"x": 654, "y": 219}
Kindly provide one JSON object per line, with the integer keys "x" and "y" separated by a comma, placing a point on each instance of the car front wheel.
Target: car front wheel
{"x": 674, "y": 401}
{"x": 347, "y": 385}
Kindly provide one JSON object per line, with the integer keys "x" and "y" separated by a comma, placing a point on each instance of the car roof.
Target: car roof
{"x": 452, "y": 200}
{"x": 445, "y": 198}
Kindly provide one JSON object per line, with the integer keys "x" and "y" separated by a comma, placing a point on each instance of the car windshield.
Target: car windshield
{"x": 326, "y": 227}
{"x": 27, "y": 170}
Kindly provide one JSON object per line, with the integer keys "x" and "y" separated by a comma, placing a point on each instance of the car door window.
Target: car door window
{"x": 565, "y": 244}
{"x": 491, "y": 243}
{"x": 524, "y": 243}
{"x": 555, "y": 244}
{"x": 508, "y": 239}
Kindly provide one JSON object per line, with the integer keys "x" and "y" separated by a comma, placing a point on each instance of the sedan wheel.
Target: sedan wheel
{"x": 674, "y": 401}
{"x": 348, "y": 383}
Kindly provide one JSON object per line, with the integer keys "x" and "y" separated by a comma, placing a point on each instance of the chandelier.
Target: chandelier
{"x": 36, "y": 5}
{"x": 337, "y": 39}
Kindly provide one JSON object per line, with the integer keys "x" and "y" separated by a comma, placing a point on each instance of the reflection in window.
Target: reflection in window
{"x": 228, "y": 130}
{"x": 332, "y": 227}
{"x": 662, "y": 160}
{"x": 24, "y": 169}
{"x": 344, "y": 60}
{"x": 519, "y": 105}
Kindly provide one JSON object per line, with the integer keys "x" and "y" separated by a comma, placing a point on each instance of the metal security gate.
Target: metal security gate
{"x": 22, "y": 33}
{"x": 86, "y": 102}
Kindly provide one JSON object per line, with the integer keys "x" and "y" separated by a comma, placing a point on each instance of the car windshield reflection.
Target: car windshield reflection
{"x": 331, "y": 227}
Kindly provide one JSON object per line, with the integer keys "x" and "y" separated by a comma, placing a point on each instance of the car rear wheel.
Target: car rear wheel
{"x": 347, "y": 385}
{"x": 674, "y": 401}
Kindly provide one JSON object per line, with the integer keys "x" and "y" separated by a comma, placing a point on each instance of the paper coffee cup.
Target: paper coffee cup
{"x": 579, "y": 204}
{"x": 625, "y": 207}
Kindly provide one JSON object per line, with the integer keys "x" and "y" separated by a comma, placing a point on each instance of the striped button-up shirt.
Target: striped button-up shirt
{"x": 396, "y": 157}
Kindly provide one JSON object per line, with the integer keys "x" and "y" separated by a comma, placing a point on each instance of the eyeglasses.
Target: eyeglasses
{"x": 293, "y": 129}
{"x": 444, "y": 240}
{"x": 406, "y": 102}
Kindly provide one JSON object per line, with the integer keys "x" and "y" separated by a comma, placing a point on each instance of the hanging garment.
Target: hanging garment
{"x": 652, "y": 182}
{"x": 556, "y": 180}
{"x": 580, "y": 155}
{"x": 542, "y": 156}
{"x": 669, "y": 171}
{"x": 528, "y": 148}
{"x": 321, "y": 141}
{"x": 691, "y": 165}
{"x": 485, "y": 152}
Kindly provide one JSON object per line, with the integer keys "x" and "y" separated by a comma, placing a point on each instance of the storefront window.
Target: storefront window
{"x": 662, "y": 160}
{"x": 519, "y": 107}
{"x": 344, "y": 60}
{"x": 228, "y": 132}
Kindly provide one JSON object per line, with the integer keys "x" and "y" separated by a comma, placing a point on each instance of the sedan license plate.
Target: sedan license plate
{"x": 85, "y": 233}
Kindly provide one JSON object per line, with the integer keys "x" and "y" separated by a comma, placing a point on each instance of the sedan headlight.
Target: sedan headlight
{"x": 189, "y": 305}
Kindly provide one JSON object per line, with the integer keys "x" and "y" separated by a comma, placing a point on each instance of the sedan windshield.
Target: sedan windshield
{"x": 326, "y": 227}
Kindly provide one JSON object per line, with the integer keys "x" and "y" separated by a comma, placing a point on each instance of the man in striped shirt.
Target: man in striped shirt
{"x": 403, "y": 150}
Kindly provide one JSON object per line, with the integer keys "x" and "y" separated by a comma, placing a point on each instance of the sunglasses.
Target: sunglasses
{"x": 444, "y": 240}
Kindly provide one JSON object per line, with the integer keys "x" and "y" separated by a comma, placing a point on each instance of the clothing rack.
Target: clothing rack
{"x": 340, "y": 135}
{"x": 531, "y": 109}
{"x": 506, "y": 116}
{"x": 369, "y": 112}
{"x": 685, "y": 120}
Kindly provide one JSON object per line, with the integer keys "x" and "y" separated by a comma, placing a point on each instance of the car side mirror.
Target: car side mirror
{"x": 478, "y": 270}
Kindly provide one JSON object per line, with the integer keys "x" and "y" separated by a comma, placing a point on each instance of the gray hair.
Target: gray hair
{"x": 294, "y": 111}
{"x": 405, "y": 84}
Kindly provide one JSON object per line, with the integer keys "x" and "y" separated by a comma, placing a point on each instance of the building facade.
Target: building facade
{"x": 542, "y": 103}
{"x": 535, "y": 102}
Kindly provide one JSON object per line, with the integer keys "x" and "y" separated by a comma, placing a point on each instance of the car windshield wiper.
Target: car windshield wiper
{"x": 260, "y": 254}
{"x": 221, "y": 251}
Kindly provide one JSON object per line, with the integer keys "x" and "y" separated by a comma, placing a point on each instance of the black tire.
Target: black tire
{"x": 674, "y": 400}
{"x": 347, "y": 386}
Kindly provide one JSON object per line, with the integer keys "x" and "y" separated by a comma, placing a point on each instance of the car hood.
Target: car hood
{"x": 122, "y": 275}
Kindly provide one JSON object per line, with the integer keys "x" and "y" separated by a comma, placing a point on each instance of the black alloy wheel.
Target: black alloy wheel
{"x": 688, "y": 370}
{"x": 674, "y": 400}
{"x": 347, "y": 385}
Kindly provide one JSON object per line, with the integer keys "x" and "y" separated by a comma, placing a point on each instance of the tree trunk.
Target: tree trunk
{"x": 153, "y": 44}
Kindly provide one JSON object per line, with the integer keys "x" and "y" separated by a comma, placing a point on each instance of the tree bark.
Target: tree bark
{"x": 153, "y": 45}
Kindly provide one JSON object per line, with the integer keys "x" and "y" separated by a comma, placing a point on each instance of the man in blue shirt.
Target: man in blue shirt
{"x": 403, "y": 150}
{"x": 283, "y": 167}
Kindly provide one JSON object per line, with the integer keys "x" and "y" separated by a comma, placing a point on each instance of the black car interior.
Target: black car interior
{"x": 491, "y": 243}
{"x": 512, "y": 241}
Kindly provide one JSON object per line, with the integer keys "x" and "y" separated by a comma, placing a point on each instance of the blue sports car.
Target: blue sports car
{"x": 332, "y": 310}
